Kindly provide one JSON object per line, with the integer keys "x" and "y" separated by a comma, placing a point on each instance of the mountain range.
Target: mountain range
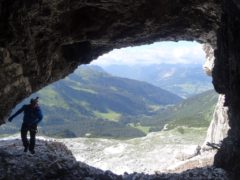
{"x": 185, "y": 80}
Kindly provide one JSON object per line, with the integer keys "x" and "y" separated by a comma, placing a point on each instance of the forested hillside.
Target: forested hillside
{"x": 196, "y": 111}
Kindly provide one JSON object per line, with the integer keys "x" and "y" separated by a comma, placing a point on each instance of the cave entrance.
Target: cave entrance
{"x": 178, "y": 127}
{"x": 157, "y": 95}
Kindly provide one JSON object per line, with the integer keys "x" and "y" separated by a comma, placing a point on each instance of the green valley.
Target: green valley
{"x": 194, "y": 112}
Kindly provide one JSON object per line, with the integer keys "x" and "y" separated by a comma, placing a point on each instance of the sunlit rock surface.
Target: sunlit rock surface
{"x": 157, "y": 152}
{"x": 219, "y": 126}
{"x": 209, "y": 61}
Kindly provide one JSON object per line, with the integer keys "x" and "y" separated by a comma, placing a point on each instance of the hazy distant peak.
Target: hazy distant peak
{"x": 168, "y": 74}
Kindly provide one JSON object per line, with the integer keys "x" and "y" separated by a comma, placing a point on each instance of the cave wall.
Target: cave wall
{"x": 226, "y": 80}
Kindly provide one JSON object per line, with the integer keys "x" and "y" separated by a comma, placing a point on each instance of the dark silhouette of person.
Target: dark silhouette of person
{"x": 32, "y": 116}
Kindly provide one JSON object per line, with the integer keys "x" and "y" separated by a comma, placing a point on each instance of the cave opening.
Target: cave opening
{"x": 108, "y": 89}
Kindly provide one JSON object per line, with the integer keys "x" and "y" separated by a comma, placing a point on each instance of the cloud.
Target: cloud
{"x": 162, "y": 52}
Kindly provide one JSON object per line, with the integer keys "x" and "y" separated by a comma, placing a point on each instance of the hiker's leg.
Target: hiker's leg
{"x": 25, "y": 142}
{"x": 33, "y": 132}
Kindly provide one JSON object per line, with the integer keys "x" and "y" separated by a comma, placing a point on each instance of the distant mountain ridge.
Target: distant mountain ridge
{"x": 184, "y": 80}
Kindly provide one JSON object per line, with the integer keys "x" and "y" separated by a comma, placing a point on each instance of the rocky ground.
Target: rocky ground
{"x": 166, "y": 151}
{"x": 54, "y": 161}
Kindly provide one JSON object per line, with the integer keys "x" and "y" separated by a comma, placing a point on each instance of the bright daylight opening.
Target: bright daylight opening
{"x": 136, "y": 109}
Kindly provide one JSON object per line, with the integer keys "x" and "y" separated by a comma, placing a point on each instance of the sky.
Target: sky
{"x": 183, "y": 52}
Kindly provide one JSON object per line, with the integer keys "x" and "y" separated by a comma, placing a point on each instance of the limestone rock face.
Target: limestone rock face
{"x": 209, "y": 61}
{"x": 219, "y": 126}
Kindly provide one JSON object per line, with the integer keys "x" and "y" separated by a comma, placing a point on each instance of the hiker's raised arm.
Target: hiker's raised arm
{"x": 16, "y": 113}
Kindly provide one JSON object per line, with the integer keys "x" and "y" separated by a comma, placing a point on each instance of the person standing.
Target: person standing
{"x": 32, "y": 116}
